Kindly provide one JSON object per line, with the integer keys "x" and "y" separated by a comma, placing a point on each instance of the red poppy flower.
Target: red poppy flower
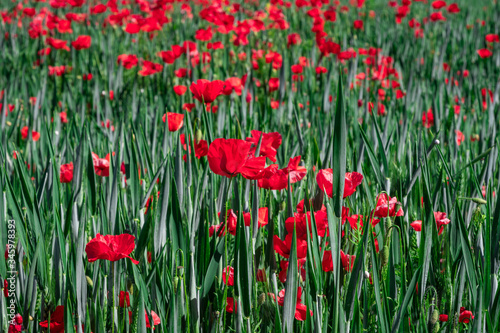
{"x": 232, "y": 156}
{"x": 56, "y": 321}
{"x": 98, "y": 9}
{"x": 200, "y": 147}
{"x": 180, "y": 90}
{"x": 346, "y": 259}
{"x": 110, "y": 247}
{"x": 416, "y": 225}
{"x": 453, "y": 8}
{"x": 124, "y": 299}
{"x": 441, "y": 221}
{"x": 270, "y": 143}
{"x": 82, "y": 42}
{"x": 66, "y": 173}
{"x": 150, "y": 68}
{"x": 324, "y": 178}
{"x": 231, "y": 222}
{"x": 274, "y": 84}
{"x": 465, "y": 316}
{"x": 300, "y": 308}
{"x": 232, "y": 84}
{"x": 492, "y": 38}
{"x": 34, "y": 134}
{"x": 459, "y": 137}
{"x": 58, "y": 44}
{"x": 438, "y": 4}
{"x": 127, "y": 60}
{"x": 228, "y": 276}
{"x": 206, "y": 91}
{"x": 428, "y": 119}
{"x": 484, "y": 53}
{"x": 231, "y": 306}
{"x": 283, "y": 248}
{"x": 277, "y": 179}
{"x": 443, "y": 318}
{"x": 175, "y": 121}
{"x": 204, "y": 34}
{"x": 358, "y": 24}
{"x": 156, "y": 319}
{"x": 262, "y": 218}
{"x": 386, "y": 206}
{"x": 101, "y": 165}
{"x": 437, "y": 16}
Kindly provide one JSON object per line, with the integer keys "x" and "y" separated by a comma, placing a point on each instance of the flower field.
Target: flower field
{"x": 249, "y": 166}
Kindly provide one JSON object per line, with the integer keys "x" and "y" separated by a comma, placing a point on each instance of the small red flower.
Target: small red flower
{"x": 443, "y": 318}
{"x": 386, "y": 206}
{"x": 109, "y": 247}
{"x": 66, "y": 173}
{"x": 175, "y": 121}
{"x": 127, "y": 60}
{"x": 228, "y": 276}
{"x": 34, "y": 135}
{"x": 465, "y": 316}
{"x": 124, "y": 299}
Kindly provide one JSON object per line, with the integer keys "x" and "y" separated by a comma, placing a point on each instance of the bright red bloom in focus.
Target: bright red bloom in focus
{"x": 324, "y": 178}
{"x": 175, "y": 121}
{"x": 386, "y": 206}
{"x": 232, "y": 156}
{"x": 66, "y": 173}
{"x": 262, "y": 218}
{"x": 441, "y": 221}
{"x": 82, "y": 42}
{"x": 269, "y": 145}
{"x": 56, "y": 321}
{"x": 206, "y": 91}
{"x": 110, "y": 247}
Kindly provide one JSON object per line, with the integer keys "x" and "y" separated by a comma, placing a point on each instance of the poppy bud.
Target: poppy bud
{"x": 479, "y": 201}
{"x": 90, "y": 282}
{"x": 199, "y": 135}
{"x": 176, "y": 282}
{"x": 434, "y": 317}
{"x": 436, "y": 328}
{"x": 283, "y": 206}
{"x": 180, "y": 271}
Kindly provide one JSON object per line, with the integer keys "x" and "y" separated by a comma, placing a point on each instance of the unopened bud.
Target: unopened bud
{"x": 434, "y": 317}
{"x": 90, "y": 282}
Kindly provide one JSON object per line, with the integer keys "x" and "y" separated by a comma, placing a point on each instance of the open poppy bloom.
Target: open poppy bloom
{"x": 110, "y": 247}
{"x": 175, "y": 121}
{"x": 200, "y": 147}
{"x": 277, "y": 179}
{"x": 180, "y": 90}
{"x": 231, "y": 222}
{"x": 324, "y": 178}
{"x": 484, "y": 53}
{"x": 465, "y": 316}
{"x": 56, "y": 324}
{"x": 269, "y": 145}
{"x": 206, "y": 91}
{"x": 283, "y": 248}
{"x": 346, "y": 259}
{"x": 66, "y": 173}
{"x": 262, "y": 218}
{"x": 34, "y": 134}
{"x": 156, "y": 319}
{"x": 416, "y": 225}
{"x": 441, "y": 221}
{"x": 300, "y": 308}
{"x": 101, "y": 165}
{"x": 230, "y": 157}
{"x": 127, "y": 60}
{"x": 386, "y": 206}
{"x": 82, "y": 42}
